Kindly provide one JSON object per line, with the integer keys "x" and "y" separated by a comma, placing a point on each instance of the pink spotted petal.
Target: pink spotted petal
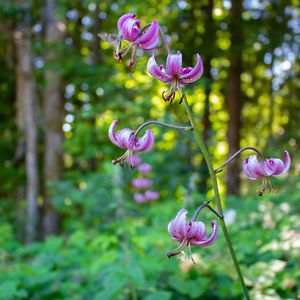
{"x": 177, "y": 227}
{"x": 111, "y": 132}
{"x": 145, "y": 143}
{"x": 196, "y": 232}
{"x": 174, "y": 64}
{"x": 157, "y": 72}
{"x": 252, "y": 168}
{"x": 123, "y": 18}
{"x": 149, "y": 39}
{"x": 286, "y": 166}
{"x": 273, "y": 166}
{"x": 209, "y": 241}
{"x": 124, "y": 138}
{"x": 130, "y": 29}
{"x": 194, "y": 74}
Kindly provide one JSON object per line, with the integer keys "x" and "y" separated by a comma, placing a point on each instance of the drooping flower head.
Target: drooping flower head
{"x": 126, "y": 139}
{"x": 175, "y": 74}
{"x": 192, "y": 233}
{"x": 268, "y": 167}
{"x": 145, "y": 38}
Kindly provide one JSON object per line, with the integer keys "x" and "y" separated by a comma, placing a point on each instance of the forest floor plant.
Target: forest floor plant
{"x": 191, "y": 233}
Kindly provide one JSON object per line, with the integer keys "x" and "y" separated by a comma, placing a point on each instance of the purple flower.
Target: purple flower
{"x": 134, "y": 160}
{"x": 175, "y": 74}
{"x": 145, "y": 38}
{"x": 192, "y": 233}
{"x": 139, "y": 198}
{"x": 125, "y": 139}
{"x": 266, "y": 168}
{"x": 151, "y": 195}
{"x": 141, "y": 183}
{"x": 144, "y": 168}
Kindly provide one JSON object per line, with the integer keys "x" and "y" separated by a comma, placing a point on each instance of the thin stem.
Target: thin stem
{"x": 208, "y": 160}
{"x": 198, "y": 211}
{"x": 165, "y": 40}
{"x": 214, "y": 211}
{"x": 185, "y": 128}
{"x": 236, "y": 154}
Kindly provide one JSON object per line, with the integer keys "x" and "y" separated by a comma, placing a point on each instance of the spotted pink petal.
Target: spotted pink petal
{"x": 130, "y": 29}
{"x": 123, "y": 18}
{"x": 252, "y": 168}
{"x": 196, "y": 232}
{"x": 149, "y": 39}
{"x": 124, "y": 138}
{"x": 145, "y": 143}
{"x": 177, "y": 227}
{"x": 209, "y": 241}
{"x": 157, "y": 72}
{"x": 286, "y": 166}
{"x": 194, "y": 73}
{"x": 174, "y": 64}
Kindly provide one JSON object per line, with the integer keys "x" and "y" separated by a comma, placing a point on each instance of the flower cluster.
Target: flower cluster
{"x": 142, "y": 184}
{"x": 173, "y": 73}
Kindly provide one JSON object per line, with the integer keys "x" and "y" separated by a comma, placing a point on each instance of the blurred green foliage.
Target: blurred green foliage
{"x": 119, "y": 253}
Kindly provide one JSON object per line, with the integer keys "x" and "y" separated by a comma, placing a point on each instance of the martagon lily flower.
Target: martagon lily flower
{"x": 192, "y": 233}
{"x": 145, "y": 38}
{"x": 175, "y": 74}
{"x": 126, "y": 139}
{"x": 268, "y": 167}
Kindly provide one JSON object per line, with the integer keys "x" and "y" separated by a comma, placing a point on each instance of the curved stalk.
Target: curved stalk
{"x": 236, "y": 154}
{"x": 185, "y": 128}
{"x": 208, "y": 160}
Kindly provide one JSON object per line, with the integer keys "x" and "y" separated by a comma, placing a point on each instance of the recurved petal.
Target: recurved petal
{"x": 252, "y": 168}
{"x": 209, "y": 241}
{"x": 124, "y": 137}
{"x": 145, "y": 143}
{"x": 130, "y": 29}
{"x": 111, "y": 132}
{"x": 177, "y": 227}
{"x": 194, "y": 74}
{"x": 174, "y": 64}
{"x": 196, "y": 232}
{"x": 123, "y": 18}
{"x": 157, "y": 72}
{"x": 286, "y": 166}
{"x": 149, "y": 39}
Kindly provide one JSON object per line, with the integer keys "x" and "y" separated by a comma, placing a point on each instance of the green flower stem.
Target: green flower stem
{"x": 208, "y": 160}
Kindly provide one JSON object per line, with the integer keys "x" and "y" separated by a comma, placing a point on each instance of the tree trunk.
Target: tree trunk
{"x": 26, "y": 119}
{"x": 234, "y": 96}
{"x": 53, "y": 110}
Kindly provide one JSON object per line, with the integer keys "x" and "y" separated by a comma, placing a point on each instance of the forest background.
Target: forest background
{"x": 69, "y": 227}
